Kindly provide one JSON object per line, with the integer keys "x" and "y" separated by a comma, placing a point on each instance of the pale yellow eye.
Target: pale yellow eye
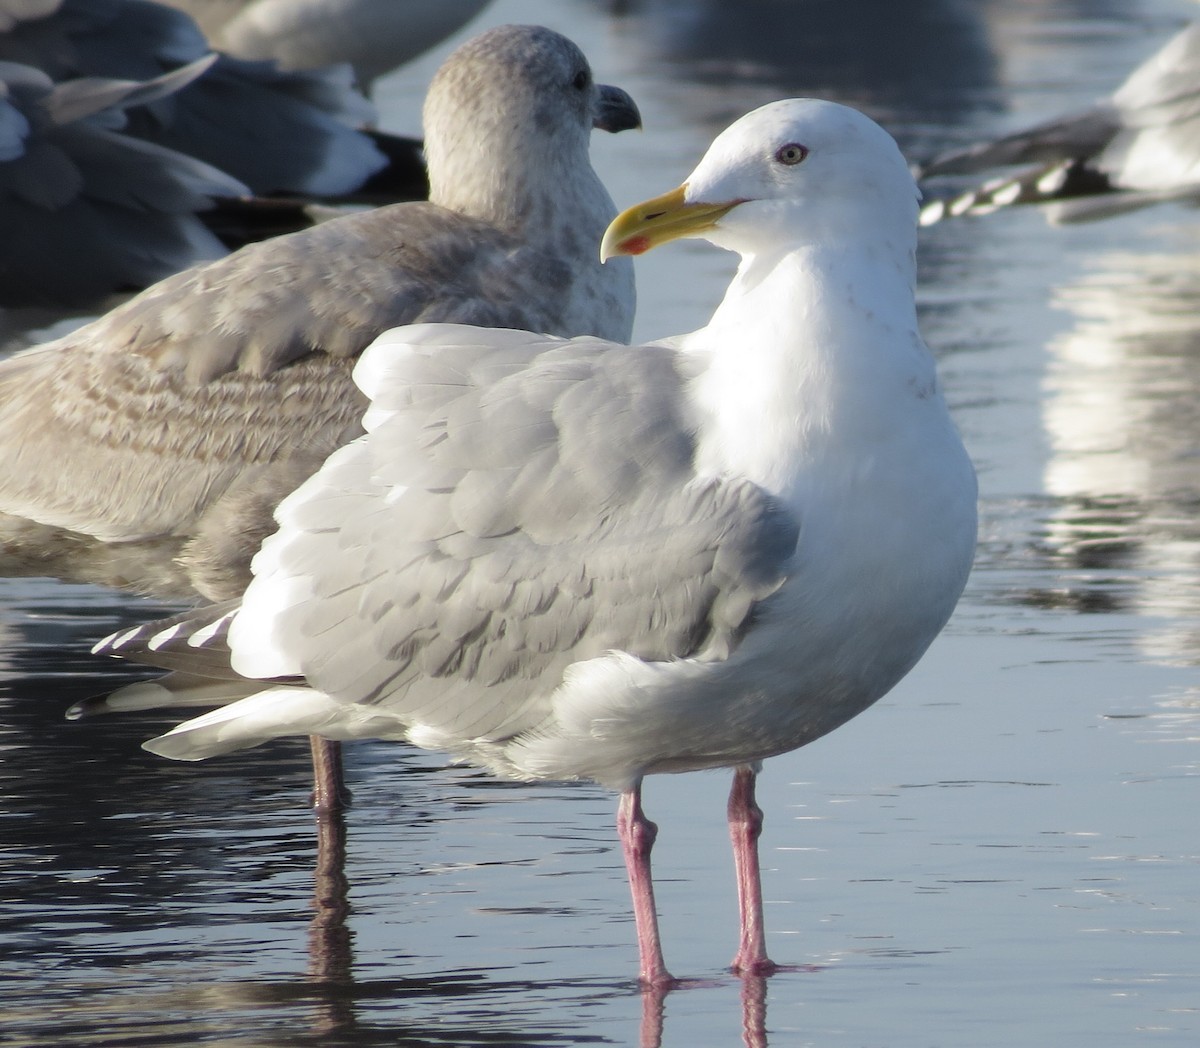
{"x": 791, "y": 154}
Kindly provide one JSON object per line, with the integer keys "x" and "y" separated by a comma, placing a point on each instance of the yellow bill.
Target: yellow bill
{"x": 668, "y": 217}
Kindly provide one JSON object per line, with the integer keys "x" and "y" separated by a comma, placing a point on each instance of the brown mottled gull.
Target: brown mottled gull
{"x": 576, "y": 559}
{"x": 181, "y": 418}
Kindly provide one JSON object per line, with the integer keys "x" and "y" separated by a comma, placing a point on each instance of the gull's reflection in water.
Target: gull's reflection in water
{"x": 1121, "y": 414}
{"x": 1122, "y": 417}
{"x": 336, "y": 991}
{"x": 113, "y": 853}
{"x": 754, "y": 1011}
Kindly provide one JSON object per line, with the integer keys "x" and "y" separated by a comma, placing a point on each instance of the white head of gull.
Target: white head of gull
{"x": 575, "y": 559}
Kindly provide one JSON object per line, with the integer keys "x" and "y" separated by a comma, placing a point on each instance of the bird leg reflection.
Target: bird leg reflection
{"x": 637, "y": 835}
{"x": 330, "y": 947}
{"x": 754, "y": 1011}
{"x": 329, "y": 782}
{"x": 745, "y": 827}
{"x": 330, "y": 950}
{"x": 654, "y": 999}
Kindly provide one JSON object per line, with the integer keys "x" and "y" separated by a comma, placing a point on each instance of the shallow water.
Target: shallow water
{"x": 1003, "y": 851}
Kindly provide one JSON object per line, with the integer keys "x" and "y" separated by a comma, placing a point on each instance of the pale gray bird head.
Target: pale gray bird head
{"x": 509, "y": 115}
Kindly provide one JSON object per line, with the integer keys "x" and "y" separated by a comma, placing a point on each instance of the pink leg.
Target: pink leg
{"x": 745, "y": 827}
{"x": 637, "y": 835}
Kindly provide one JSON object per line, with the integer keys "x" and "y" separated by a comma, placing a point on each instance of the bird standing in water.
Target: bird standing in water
{"x": 573, "y": 559}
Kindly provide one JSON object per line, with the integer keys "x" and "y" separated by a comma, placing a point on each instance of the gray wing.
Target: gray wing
{"x": 279, "y": 132}
{"x": 196, "y": 642}
{"x": 330, "y": 290}
{"x": 106, "y": 38}
{"x": 1080, "y": 135}
{"x": 516, "y": 508}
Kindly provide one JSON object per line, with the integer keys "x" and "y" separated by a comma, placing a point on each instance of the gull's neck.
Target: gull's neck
{"x": 531, "y": 195}
{"x": 798, "y": 366}
{"x": 556, "y": 209}
{"x": 827, "y": 288}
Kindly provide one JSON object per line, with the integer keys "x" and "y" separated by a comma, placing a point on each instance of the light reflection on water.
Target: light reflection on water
{"x": 1000, "y": 853}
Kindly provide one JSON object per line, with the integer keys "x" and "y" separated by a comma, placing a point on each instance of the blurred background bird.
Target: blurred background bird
{"x": 1138, "y": 147}
{"x": 373, "y": 36}
{"x": 243, "y": 148}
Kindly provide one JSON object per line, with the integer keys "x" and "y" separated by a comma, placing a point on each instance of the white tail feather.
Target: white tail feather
{"x": 248, "y": 722}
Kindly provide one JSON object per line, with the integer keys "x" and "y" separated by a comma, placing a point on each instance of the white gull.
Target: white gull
{"x": 576, "y": 559}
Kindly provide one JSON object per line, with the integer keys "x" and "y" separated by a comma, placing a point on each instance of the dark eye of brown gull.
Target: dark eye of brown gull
{"x": 791, "y": 154}
{"x": 581, "y": 80}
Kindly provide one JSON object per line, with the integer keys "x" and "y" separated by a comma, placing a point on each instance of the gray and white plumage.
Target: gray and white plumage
{"x": 536, "y": 537}
{"x": 574, "y": 559}
{"x": 1137, "y": 148}
{"x": 190, "y": 411}
{"x": 85, "y": 208}
{"x": 374, "y": 36}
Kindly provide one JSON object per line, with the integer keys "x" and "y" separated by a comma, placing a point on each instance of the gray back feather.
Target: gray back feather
{"x": 1083, "y": 160}
{"x": 179, "y": 392}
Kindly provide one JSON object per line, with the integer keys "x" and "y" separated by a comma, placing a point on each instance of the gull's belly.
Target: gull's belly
{"x": 878, "y": 571}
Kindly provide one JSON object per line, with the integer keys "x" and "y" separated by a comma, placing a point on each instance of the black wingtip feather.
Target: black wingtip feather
{"x": 195, "y": 641}
{"x": 1069, "y": 180}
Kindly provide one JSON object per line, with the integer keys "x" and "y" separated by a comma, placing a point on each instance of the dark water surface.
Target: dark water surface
{"x": 1003, "y": 852}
